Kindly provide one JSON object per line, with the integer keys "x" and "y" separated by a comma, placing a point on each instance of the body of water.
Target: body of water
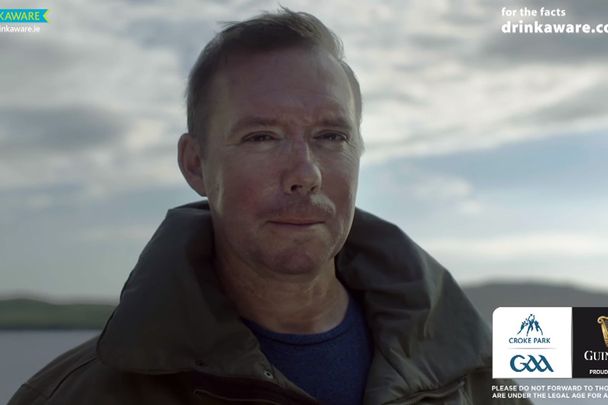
{"x": 23, "y": 353}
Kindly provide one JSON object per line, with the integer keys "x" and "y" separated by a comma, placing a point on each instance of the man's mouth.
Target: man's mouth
{"x": 302, "y": 216}
{"x": 297, "y": 222}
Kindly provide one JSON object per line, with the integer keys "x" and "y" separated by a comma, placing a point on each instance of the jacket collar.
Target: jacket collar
{"x": 173, "y": 317}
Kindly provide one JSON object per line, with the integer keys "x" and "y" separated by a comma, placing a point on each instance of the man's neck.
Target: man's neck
{"x": 286, "y": 304}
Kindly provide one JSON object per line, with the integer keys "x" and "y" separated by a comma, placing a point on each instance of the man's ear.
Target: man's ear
{"x": 190, "y": 162}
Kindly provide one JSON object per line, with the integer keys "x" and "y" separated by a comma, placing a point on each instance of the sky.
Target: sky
{"x": 487, "y": 148}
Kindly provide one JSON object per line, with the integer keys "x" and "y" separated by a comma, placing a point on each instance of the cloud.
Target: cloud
{"x": 545, "y": 49}
{"x": 59, "y": 128}
{"x": 464, "y": 85}
{"x": 90, "y": 106}
{"x": 399, "y": 187}
{"x": 530, "y": 246}
{"x": 21, "y": 57}
{"x": 105, "y": 108}
{"x": 565, "y": 168}
{"x": 426, "y": 91}
{"x": 584, "y": 103}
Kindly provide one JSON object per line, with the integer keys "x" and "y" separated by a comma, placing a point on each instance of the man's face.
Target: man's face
{"x": 281, "y": 160}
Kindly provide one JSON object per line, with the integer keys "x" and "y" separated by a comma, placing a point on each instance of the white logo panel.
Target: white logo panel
{"x": 532, "y": 342}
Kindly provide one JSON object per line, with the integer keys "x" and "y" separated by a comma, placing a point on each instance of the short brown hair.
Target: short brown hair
{"x": 266, "y": 32}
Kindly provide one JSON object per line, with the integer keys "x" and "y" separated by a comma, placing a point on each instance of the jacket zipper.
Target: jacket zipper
{"x": 200, "y": 391}
{"x": 432, "y": 394}
{"x": 262, "y": 392}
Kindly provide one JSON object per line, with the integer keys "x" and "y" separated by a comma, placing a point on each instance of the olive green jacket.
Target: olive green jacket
{"x": 176, "y": 339}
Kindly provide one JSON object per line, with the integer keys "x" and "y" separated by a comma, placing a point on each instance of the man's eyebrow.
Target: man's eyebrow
{"x": 257, "y": 121}
{"x": 336, "y": 122}
{"x": 253, "y": 121}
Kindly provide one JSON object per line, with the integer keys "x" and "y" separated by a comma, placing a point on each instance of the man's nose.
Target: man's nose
{"x": 302, "y": 174}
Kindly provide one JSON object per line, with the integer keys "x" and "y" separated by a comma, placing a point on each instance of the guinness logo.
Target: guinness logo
{"x": 589, "y": 350}
{"x": 603, "y": 321}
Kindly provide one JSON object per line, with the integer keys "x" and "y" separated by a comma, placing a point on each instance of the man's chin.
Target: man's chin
{"x": 299, "y": 264}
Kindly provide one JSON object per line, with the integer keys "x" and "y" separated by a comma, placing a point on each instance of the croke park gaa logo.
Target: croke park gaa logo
{"x": 533, "y": 342}
{"x": 530, "y": 363}
{"x": 530, "y": 324}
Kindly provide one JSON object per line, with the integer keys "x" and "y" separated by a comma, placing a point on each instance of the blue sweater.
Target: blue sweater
{"x": 331, "y": 366}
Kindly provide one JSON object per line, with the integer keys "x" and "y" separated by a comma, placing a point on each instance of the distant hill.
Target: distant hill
{"x": 26, "y": 313}
{"x": 487, "y": 297}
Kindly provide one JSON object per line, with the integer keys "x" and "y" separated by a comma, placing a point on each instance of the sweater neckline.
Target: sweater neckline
{"x": 308, "y": 338}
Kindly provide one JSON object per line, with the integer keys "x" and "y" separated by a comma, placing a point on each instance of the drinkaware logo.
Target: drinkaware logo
{"x": 23, "y": 15}
{"x": 530, "y": 363}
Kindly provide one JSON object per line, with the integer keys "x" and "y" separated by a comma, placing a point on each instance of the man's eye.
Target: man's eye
{"x": 259, "y": 138}
{"x": 333, "y": 136}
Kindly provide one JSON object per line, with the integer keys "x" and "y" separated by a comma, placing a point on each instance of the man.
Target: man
{"x": 276, "y": 289}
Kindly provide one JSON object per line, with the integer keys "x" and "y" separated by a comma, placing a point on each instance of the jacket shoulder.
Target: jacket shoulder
{"x": 79, "y": 377}
{"x": 39, "y": 389}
